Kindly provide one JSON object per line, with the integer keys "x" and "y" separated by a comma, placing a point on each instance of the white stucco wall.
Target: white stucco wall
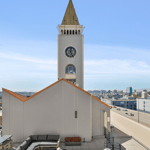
{"x": 98, "y": 110}
{"x": 53, "y": 112}
{"x": 12, "y": 121}
{"x": 77, "y": 42}
{"x": 5, "y": 113}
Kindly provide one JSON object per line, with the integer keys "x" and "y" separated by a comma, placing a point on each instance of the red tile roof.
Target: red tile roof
{"x": 24, "y": 98}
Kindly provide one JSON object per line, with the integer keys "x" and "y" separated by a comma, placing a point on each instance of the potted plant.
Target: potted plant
{"x": 73, "y": 141}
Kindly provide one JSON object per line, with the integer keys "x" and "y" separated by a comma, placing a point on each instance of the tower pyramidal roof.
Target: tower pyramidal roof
{"x": 70, "y": 17}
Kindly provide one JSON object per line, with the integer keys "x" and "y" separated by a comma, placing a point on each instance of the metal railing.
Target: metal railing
{"x": 109, "y": 143}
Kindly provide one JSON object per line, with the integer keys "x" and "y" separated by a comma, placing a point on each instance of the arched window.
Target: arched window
{"x": 64, "y": 31}
{"x": 61, "y": 31}
{"x": 70, "y": 31}
{"x": 70, "y": 69}
{"x": 73, "y": 32}
{"x": 67, "y": 31}
{"x": 79, "y": 32}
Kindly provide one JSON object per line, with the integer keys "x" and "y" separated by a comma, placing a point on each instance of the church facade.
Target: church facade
{"x": 64, "y": 107}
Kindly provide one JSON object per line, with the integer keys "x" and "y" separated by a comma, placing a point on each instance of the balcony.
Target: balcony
{"x": 70, "y": 76}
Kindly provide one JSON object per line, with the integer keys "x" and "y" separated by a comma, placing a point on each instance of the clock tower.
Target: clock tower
{"x": 70, "y": 48}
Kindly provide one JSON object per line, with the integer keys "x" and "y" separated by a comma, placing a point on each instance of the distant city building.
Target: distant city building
{"x": 96, "y": 91}
{"x": 144, "y": 95}
{"x": 143, "y": 104}
{"x": 130, "y": 97}
{"x": 129, "y": 90}
{"x": 120, "y": 92}
{"x": 144, "y": 90}
{"x": 109, "y": 91}
{"x": 27, "y": 94}
{"x": 90, "y": 91}
{"x": 114, "y": 92}
{"x": 125, "y": 103}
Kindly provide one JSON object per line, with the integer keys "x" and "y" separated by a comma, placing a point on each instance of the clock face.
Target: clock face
{"x": 70, "y": 51}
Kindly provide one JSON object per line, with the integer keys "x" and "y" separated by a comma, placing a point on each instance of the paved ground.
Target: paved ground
{"x": 96, "y": 144}
{"x": 119, "y": 136}
{"x": 133, "y": 145}
{"x": 144, "y": 118}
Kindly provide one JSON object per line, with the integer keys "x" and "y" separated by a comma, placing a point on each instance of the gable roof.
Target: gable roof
{"x": 18, "y": 96}
{"x": 24, "y": 98}
{"x": 70, "y": 17}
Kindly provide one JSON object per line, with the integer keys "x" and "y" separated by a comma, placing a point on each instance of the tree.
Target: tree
{"x": 135, "y": 96}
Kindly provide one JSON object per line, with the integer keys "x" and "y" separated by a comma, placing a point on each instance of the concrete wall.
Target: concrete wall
{"x": 5, "y": 113}
{"x": 132, "y": 128}
{"x": 0, "y": 120}
{"x": 98, "y": 110}
{"x": 50, "y": 112}
{"x": 77, "y": 42}
{"x": 12, "y": 121}
{"x": 53, "y": 112}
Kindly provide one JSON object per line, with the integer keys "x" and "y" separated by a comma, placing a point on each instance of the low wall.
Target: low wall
{"x": 132, "y": 128}
{"x": 0, "y": 120}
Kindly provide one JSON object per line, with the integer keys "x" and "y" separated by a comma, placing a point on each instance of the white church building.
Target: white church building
{"x": 63, "y": 108}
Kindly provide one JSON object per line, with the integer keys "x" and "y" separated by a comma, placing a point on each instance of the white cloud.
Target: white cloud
{"x": 48, "y": 67}
{"x": 27, "y": 58}
{"x": 104, "y": 68}
{"x": 116, "y": 66}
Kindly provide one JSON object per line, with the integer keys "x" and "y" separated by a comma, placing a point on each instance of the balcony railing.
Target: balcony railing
{"x": 109, "y": 143}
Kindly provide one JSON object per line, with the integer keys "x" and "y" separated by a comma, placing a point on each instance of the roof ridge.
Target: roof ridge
{"x": 24, "y": 98}
{"x": 18, "y": 96}
{"x": 87, "y": 93}
{"x": 44, "y": 89}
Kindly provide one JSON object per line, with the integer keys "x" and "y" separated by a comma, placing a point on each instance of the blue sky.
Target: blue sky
{"x": 116, "y": 43}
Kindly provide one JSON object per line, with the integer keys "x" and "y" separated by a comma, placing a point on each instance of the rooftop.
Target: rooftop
{"x": 24, "y": 98}
{"x": 98, "y": 142}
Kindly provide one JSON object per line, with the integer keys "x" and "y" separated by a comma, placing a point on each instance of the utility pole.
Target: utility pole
{"x": 138, "y": 110}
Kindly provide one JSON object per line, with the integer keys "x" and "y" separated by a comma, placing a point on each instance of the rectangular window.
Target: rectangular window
{"x": 76, "y": 114}
{"x": 122, "y": 103}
